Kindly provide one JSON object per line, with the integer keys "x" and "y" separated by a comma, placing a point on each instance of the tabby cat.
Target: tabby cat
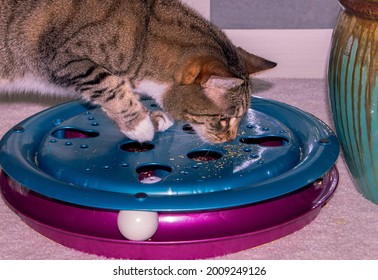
{"x": 111, "y": 51}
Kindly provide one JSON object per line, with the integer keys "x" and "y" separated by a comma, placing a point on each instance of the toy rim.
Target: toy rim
{"x": 18, "y": 162}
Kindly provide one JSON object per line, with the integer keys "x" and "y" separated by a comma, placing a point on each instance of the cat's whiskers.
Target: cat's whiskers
{"x": 190, "y": 139}
{"x": 171, "y": 137}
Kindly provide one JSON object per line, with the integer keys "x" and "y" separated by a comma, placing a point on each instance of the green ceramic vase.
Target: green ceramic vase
{"x": 353, "y": 90}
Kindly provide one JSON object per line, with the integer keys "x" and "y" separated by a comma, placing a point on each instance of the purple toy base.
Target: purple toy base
{"x": 189, "y": 250}
{"x": 180, "y": 235}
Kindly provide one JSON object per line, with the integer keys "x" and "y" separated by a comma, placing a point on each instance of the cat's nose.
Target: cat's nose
{"x": 231, "y": 135}
{"x": 230, "y": 138}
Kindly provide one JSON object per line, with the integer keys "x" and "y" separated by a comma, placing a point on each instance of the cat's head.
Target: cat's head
{"x": 211, "y": 98}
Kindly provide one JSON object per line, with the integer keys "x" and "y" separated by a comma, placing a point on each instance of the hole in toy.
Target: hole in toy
{"x": 73, "y": 133}
{"x": 188, "y": 129}
{"x": 18, "y": 128}
{"x": 325, "y": 141}
{"x": 152, "y": 173}
{"x": 136, "y": 147}
{"x": 270, "y": 141}
{"x": 204, "y": 155}
{"x": 141, "y": 196}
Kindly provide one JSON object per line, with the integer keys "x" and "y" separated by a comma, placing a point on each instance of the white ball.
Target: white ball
{"x": 137, "y": 225}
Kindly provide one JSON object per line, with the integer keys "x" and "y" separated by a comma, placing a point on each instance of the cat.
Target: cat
{"x": 109, "y": 52}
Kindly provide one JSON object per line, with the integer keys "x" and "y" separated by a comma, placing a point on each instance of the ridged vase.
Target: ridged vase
{"x": 353, "y": 90}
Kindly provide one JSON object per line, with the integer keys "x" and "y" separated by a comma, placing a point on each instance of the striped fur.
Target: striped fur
{"x": 109, "y": 51}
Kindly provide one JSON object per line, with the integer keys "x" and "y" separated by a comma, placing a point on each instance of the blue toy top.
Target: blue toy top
{"x": 74, "y": 153}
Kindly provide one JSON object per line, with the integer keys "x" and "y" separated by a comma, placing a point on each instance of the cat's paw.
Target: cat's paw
{"x": 161, "y": 120}
{"x": 144, "y": 131}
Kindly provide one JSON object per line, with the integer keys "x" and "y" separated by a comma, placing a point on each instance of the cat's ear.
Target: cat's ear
{"x": 217, "y": 87}
{"x": 200, "y": 69}
{"x": 255, "y": 63}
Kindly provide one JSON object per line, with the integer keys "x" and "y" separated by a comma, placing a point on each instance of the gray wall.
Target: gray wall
{"x": 274, "y": 14}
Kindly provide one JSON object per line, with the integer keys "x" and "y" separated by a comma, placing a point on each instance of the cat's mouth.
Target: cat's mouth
{"x": 218, "y": 139}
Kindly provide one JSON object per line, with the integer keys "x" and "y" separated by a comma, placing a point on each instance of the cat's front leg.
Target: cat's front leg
{"x": 144, "y": 131}
{"x": 125, "y": 109}
{"x": 135, "y": 121}
{"x": 161, "y": 120}
{"x": 115, "y": 96}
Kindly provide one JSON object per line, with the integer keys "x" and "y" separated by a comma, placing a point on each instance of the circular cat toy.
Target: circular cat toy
{"x": 73, "y": 176}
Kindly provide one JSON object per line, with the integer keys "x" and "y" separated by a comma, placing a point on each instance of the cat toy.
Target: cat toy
{"x": 72, "y": 175}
